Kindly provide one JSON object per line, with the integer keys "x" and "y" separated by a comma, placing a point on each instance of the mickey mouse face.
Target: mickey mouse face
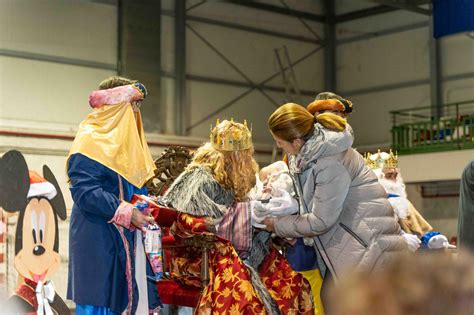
{"x": 37, "y": 259}
{"x": 36, "y": 241}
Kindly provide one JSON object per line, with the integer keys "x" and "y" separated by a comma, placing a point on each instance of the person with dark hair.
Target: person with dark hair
{"x": 466, "y": 209}
{"x": 343, "y": 210}
{"x": 107, "y": 164}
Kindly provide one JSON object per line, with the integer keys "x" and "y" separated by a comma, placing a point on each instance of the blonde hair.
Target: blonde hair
{"x": 235, "y": 170}
{"x": 115, "y": 81}
{"x": 292, "y": 121}
{"x": 332, "y": 121}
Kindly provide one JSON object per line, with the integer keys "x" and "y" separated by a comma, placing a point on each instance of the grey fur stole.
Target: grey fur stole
{"x": 196, "y": 192}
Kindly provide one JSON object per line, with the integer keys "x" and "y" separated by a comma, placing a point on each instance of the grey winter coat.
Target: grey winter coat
{"x": 342, "y": 205}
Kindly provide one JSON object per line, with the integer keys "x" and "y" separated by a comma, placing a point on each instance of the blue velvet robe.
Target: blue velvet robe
{"x": 97, "y": 257}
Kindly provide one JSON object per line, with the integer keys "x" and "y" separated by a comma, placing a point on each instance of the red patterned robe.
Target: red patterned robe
{"x": 230, "y": 289}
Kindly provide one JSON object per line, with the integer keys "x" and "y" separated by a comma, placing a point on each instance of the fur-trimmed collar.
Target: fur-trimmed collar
{"x": 196, "y": 192}
{"x": 322, "y": 143}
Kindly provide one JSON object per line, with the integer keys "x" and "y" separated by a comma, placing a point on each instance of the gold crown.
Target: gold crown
{"x": 392, "y": 160}
{"x": 231, "y": 136}
{"x": 370, "y": 163}
{"x": 381, "y": 159}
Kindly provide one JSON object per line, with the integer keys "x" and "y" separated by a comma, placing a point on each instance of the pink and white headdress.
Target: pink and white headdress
{"x": 122, "y": 94}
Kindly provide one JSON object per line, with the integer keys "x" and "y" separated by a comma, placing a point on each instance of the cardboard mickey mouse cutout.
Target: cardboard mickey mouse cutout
{"x": 39, "y": 203}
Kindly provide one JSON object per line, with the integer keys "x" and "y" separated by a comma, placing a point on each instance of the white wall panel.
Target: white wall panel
{"x": 457, "y": 54}
{"x": 377, "y": 23}
{"x": 346, "y": 6}
{"x": 309, "y": 73}
{"x": 385, "y": 60}
{"x": 458, "y": 90}
{"x": 201, "y": 60}
{"x": 169, "y": 4}
{"x": 254, "y": 107}
{"x": 420, "y": 168}
{"x": 167, "y": 104}
{"x": 46, "y": 93}
{"x": 288, "y": 24}
{"x": 167, "y": 43}
{"x": 371, "y": 118}
{"x": 396, "y": 59}
{"x": 252, "y": 53}
{"x": 314, "y": 6}
{"x": 204, "y": 98}
{"x": 73, "y": 29}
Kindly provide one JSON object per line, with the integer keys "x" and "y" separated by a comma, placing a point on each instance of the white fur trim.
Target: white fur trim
{"x": 400, "y": 206}
{"x": 42, "y": 189}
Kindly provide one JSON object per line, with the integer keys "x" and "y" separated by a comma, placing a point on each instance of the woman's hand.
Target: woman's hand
{"x": 139, "y": 219}
{"x": 269, "y": 222}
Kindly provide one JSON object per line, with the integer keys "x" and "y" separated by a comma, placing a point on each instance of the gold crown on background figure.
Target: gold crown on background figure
{"x": 231, "y": 136}
{"x": 381, "y": 159}
{"x": 370, "y": 163}
{"x": 392, "y": 160}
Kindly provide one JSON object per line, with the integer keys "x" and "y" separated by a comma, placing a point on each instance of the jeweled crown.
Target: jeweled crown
{"x": 231, "y": 136}
{"x": 391, "y": 161}
{"x": 370, "y": 163}
{"x": 381, "y": 159}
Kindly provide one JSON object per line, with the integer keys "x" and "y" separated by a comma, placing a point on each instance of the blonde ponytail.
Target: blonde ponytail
{"x": 291, "y": 121}
{"x": 331, "y": 121}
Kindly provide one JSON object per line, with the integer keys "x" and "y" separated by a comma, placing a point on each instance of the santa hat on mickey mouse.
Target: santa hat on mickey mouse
{"x": 40, "y": 187}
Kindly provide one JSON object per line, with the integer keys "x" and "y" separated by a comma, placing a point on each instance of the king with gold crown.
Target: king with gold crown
{"x": 212, "y": 192}
{"x": 385, "y": 166}
{"x": 221, "y": 172}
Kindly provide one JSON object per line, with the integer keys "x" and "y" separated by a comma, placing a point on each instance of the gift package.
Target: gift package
{"x": 152, "y": 232}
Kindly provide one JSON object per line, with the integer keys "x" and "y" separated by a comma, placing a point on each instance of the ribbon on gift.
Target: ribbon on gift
{"x": 44, "y": 295}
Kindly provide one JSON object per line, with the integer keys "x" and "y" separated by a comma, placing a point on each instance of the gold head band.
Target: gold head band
{"x": 231, "y": 136}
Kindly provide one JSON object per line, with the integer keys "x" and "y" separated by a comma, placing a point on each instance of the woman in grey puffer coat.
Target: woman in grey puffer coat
{"x": 343, "y": 208}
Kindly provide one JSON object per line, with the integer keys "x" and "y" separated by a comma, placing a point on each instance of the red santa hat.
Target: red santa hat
{"x": 40, "y": 187}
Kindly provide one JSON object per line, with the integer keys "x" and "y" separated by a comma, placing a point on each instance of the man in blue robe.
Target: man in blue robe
{"x": 108, "y": 163}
